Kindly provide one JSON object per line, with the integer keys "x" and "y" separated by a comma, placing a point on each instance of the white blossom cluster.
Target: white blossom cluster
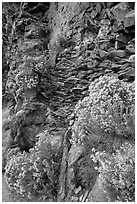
{"x": 109, "y": 107}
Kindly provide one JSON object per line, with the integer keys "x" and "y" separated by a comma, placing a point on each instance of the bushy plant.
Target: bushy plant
{"x": 117, "y": 171}
{"x": 34, "y": 174}
{"x": 109, "y": 108}
{"x": 27, "y": 75}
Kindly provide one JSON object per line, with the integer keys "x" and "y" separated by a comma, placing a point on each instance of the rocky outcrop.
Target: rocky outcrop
{"x": 100, "y": 44}
{"x": 57, "y": 50}
{"x": 70, "y": 51}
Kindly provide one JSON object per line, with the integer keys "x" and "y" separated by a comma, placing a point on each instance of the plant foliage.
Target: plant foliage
{"x": 34, "y": 174}
{"x": 117, "y": 171}
{"x": 109, "y": 108}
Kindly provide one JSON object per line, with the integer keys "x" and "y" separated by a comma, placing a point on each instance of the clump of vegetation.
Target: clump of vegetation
{"x": 27, "y": 76}
{"x": 107, "y": 116}
{"x": 117, "y": 171}
{"x": 34, "y": 174}
{"x": 109, "y": 108}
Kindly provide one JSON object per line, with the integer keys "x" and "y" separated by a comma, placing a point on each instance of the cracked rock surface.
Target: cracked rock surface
{"x": 54, "y": 51}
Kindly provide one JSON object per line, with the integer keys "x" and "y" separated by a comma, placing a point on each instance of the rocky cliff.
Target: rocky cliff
{"x": 52, "y": 52}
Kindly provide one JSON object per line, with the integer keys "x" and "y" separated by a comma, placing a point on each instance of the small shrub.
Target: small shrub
{"x": 109, "y": 108}
{"x": 34, "y": 174}
{"x": 27, "y": 75}
{"x": 117, "y": 171}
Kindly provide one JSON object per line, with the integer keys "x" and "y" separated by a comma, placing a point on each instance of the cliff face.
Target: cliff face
{"x": 53, "y": 52}
{"x": 71, "y": 45}
{"x": 98, "y": 41}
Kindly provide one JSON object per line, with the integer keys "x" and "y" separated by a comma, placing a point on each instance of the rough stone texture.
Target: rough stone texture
{"x": 77, "y": 42}
{"x": 6, "y": 195}
{"x": 97, "y": 194}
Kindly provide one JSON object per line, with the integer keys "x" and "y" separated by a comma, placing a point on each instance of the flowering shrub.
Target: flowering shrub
{"x": 35, "y": 173}
{"x": 117, "y": 171}
{"x": 28, "y": 74}
{"x": 109, "y": 108}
